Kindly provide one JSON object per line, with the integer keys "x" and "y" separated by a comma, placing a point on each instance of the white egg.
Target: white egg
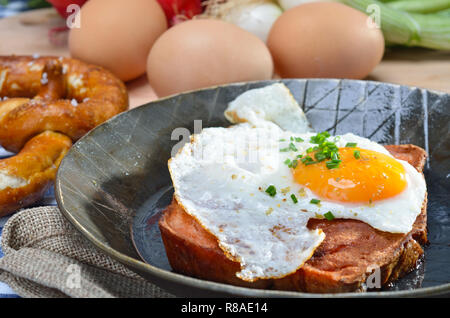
{"x": 225, "y": 178}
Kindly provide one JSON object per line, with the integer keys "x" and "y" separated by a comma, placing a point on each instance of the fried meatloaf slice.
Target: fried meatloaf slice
{"x": 341, "y": 263}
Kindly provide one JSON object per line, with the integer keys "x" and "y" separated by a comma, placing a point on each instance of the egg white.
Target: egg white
{"x": 272, "y": 104}
{"x": 220, "y": 179}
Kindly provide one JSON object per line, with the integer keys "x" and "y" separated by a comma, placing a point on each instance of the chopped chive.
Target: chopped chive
{"x": 294, "y": 198}
{"x": 332, "y": 165}
{"x": 307, "y": 159}
{"x": 334, "y": 156}
{"x": 331, "y": 146}
{"x": 284, "y": 150}
{"x": 329, "y": 216}
{"x": 292, "y": 147}
{"x": 320, "y": 137}
{"x": 271, "y": 190}
{"x": 317, "y": 139}
{"x": 351, "y": 144}
{"x": 287, "y": 161}
{"x": 357, "y": 154}
{"x": 292, "y": 138}
{"x": 314, "y": 201}
{"x": 320, "y": 156}
{"x": 311, "y": 163}
{"x": 324, "y": 150}
{"x": 294, "y": 163}
{"x": 298, "y": 139}
{"x": 282, "y": 140}
{"x": 299, "y": 156}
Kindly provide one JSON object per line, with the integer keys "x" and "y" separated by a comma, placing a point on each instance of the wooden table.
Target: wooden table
{"x": 28, "y": 33}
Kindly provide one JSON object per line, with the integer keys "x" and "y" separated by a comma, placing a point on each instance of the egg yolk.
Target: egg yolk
{"x": 372, "y": 177}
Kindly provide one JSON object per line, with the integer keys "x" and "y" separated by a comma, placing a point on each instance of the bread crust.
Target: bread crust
{"x": 45, "y": 104}
{"x": 351, "y": 251}
{"x": 36, "y": 164}
{"x": 71, "y": 98}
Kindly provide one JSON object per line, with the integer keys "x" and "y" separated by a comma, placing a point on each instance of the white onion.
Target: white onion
{"x": 255, "y": 16}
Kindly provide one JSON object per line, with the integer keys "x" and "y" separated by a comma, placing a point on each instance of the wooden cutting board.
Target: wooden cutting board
{"x": 30, "y": 32}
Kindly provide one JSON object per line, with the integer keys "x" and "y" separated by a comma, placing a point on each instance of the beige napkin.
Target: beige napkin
{"x": 45, "y": 256}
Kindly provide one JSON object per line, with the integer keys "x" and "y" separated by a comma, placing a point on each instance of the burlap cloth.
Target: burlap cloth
{"x": 45, "y": 256}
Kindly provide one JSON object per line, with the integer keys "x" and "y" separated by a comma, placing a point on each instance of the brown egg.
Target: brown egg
{"x": 328, "y": 40}
{"x": 117, "y": 34}
{"x": 201, "y": 53}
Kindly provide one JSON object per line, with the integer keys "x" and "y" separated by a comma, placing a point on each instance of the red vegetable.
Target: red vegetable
{"x": 180, "y": 10}
{"x": 61, "y": 6}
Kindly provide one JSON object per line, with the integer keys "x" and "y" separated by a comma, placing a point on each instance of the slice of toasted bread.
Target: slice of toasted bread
{"x": 351, "y": 251}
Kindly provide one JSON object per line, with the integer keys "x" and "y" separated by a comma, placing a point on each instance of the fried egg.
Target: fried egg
{"x": 252, "y": 187}
{"x": 273, "y": 104}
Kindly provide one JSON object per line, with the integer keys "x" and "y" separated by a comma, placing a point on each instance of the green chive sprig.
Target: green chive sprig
{"x": 324, "y": 150}
{"x": 329, "y": 216}
{"x": 271, "y": 190}
{"x": 294, "y": 198}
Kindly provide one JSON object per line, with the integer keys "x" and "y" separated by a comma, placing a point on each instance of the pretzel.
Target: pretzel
{"x": 46, "y": 103}
{"x": 26, "y": 177}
